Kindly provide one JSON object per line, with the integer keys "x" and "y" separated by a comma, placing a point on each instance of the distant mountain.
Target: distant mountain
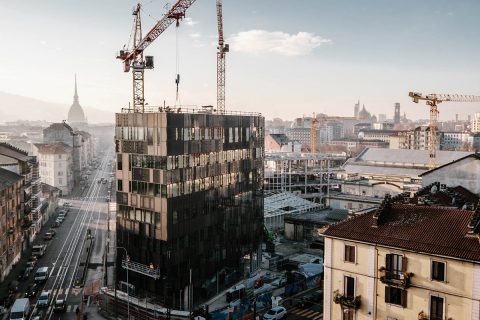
{"x": 14, "y": 107}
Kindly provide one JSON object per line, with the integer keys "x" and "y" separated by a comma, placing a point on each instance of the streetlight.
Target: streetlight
{"x": 128, "y": 285}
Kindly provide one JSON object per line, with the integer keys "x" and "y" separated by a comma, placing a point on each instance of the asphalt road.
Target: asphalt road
{"x": 88, "y": 211}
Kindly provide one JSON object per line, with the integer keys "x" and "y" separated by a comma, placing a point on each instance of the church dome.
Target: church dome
{"x": 76, "y": 114}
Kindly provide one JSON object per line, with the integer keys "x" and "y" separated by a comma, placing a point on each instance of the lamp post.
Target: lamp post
{"x": 128, "y": 285}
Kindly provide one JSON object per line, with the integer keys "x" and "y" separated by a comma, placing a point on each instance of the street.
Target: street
{"x": 89, "y": 210}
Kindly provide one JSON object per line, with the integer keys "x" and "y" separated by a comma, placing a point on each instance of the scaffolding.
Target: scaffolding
{"x": 306, "y": 175}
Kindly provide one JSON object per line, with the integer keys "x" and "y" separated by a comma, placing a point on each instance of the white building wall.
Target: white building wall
{"x": 465, "y": 173}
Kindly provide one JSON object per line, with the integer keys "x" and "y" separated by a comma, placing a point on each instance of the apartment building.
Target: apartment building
{"x": 189, "y": 200}
{"x": 56, "y": 166}
{"x": 12, "y": 187}
{"x": 412, "y": 258}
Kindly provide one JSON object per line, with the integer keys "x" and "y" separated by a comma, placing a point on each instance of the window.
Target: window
{"x": 438, "y": 271}
{"x": 395, "y": 265}
{"x": 396, "y": 296}
{"x": 349, "y": 287}
{"x": 436, "y": 308}
{"x": 349, "y": 253}
{"x": 119, "y": 185}
{"x": 348, "y": 314}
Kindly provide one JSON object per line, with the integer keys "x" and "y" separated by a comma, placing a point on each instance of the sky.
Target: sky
{"x": 287, "y": 59}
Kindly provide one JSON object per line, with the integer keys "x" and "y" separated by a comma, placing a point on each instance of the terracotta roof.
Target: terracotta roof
{"x": 8, "y": 178}
{"x": 427, "y": 229}
{"x": 53, "y": 148}
{"x": 8, "y": 150}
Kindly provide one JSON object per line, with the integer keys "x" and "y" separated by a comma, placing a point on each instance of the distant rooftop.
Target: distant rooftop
{"x": 425, "y": 228}
{"x": 53, "y": 148}
{"x": 8, "y": 178}
{"x": 397, "y": 162}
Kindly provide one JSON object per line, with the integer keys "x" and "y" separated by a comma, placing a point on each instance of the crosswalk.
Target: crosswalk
{"x": 65, "y": 291}
{"x": 307, "y": 313}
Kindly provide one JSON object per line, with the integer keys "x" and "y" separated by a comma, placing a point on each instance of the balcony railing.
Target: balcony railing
{"x": 395, "y": 278}
{"x": 347, "y": 302}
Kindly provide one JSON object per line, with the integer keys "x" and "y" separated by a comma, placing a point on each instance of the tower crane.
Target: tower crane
{"x": 223, "y": 48}
{"x": 313, "y": 134}
{"x": 133, "y": 58}
{"x": 433, "y": 100}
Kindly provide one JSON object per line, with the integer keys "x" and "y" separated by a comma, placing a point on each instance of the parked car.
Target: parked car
{"x": 52, "y": 231}
{"x": 59, "y": 220}
{"x": 32, "y": 291}
{"x": 275, "y": 313}
{"x": 25, "y": 274}
{"x": 32, "y": 264}
{"x": 59, "y": 305}
{"x": 56, "y": 224}
{"x": 39, "y": 314}
{"x": 13, "y": 286}
{"x": 48, "y": 236}
{"x": 44, "y": 300}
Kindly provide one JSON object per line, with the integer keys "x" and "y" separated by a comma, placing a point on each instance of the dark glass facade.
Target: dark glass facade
{"x": 189, "y": 197}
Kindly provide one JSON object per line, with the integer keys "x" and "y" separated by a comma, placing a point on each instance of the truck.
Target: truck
{"x": 20, "y": 309}
{"x": 38, "y": 250}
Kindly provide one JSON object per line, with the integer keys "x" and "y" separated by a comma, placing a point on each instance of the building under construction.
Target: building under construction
{"x": 189, "y": 201}
{"x": 307, "y": 175}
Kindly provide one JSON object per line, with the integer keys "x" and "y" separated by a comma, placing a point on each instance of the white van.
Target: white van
{"x": 38, "y": 250}
{"x": 41, "y": 276}
{"x": 20, "y": 309}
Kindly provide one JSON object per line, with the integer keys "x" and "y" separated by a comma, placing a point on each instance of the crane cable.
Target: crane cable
{"x": 177, "y": 63}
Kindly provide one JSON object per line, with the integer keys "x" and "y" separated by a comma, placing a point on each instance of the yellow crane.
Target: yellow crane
{"x": 313, "y": 134}
{"x": 433, "y": 100}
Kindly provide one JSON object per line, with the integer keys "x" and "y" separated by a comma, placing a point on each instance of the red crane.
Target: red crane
{"x": 133, "y": 58}
{"x": 223, "y": 48}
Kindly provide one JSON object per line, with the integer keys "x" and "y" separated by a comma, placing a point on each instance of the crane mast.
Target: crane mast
{"x": 223, "y": 48}
{"x": 432, "y": 100}
{"x": 133, "y": 58}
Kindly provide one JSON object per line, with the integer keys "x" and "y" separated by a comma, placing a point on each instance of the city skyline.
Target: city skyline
{"x": 334, "y": 53}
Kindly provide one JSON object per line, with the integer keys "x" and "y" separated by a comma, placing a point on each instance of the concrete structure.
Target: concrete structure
{"x": 278, "y": 205}
{"x": 463, "y": 172}
{"x": 307, "y": 175}
{"x": 56, "y": 165}
{"x": 306, "y": 226}
{"x": 189, "y": 200}
{"x": 76, "y": 116}
{"x": 12, "y": 187}
{"x": 475, "y": 123}
{"x": 404, "y": 261}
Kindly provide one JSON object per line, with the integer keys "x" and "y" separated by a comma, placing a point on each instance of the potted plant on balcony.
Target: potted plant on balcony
{"x": 348, "y": 302}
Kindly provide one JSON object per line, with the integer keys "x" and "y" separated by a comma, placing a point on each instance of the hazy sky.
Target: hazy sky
{"x": 287, "y": 58}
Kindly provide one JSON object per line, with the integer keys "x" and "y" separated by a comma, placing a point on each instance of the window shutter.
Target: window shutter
{"x": 404, "y": 264}
{"x": 387, "y": 294}
{"x": 388, "y": 262}
{"x": 404, "y": 298}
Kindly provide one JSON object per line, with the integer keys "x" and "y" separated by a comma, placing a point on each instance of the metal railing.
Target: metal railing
{"x": 189, "y": 109}
{"x": 148, "y": 271}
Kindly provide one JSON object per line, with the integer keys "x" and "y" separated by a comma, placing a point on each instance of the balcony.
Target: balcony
{"x": 395, "y": 278}
{"x": 347, "y": 302}
{"x": 10, "y": 231}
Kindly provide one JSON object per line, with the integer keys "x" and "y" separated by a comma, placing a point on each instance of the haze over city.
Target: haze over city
{"x": 287, "y": 59}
